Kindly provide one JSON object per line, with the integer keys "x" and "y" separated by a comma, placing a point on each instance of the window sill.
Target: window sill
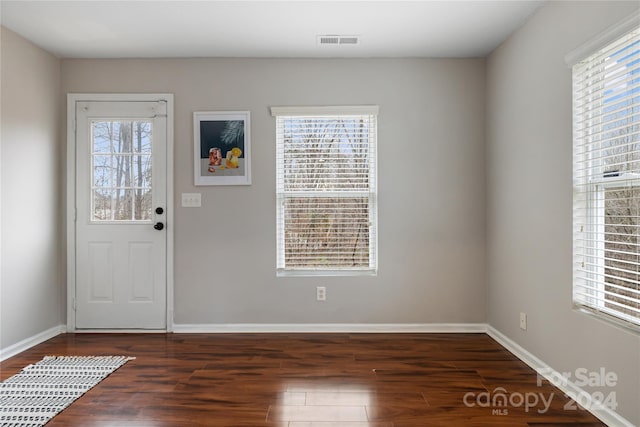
{"x": 281, "y": 272}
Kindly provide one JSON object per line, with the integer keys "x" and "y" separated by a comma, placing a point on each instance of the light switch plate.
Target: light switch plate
{"x": 191, "y": 200}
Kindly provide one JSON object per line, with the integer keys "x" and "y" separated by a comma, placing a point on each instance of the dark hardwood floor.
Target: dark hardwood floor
{"x": 305, "y": 380}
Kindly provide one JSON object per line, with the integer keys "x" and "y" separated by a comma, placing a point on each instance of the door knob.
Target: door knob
{"x": 158, "y": 226}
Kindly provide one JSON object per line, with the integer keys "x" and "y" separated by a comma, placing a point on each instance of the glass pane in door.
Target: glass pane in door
{"x": 122, "y": 173}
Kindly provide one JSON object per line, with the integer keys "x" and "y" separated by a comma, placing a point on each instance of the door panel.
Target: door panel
{"x": 121, "y": 259}
{"x": 100, "y": 272}
{"x": 141, "y": 272}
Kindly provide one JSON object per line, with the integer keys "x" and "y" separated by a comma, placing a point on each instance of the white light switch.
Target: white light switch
{"x": 191, "y": 200}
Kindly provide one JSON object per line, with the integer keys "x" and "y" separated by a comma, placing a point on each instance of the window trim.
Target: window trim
{"x": 371, "y": 194}
{"x": 353, "y": 110}
{"x": 608, "y": 36}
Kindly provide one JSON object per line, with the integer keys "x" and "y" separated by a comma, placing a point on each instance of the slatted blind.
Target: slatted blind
{"x": 606, "y": 172}
{"x": 326, "y": 190}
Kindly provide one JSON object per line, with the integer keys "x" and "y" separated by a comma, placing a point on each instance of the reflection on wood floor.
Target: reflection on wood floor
{"x": 307, "y": 380}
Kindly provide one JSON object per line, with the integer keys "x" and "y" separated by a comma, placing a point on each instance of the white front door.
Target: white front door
{"x": 121, "y": 211}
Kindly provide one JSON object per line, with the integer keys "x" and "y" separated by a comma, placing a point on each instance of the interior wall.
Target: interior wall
{"x": 431, "y": 193}
{"x": 529, "y": 199}
{"x": 431, "y": 187}
{"x": 32, "y": 274}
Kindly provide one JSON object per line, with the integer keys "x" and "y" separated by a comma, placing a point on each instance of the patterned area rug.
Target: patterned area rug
{"x": 40, "y": 391}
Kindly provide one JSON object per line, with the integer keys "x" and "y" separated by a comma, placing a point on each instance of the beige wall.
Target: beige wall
{"x": 529, "y": 203}
{"x": 32, "y": 273}
{"x": 431, "y": 187}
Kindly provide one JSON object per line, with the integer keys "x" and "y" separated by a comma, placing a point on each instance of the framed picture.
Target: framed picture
{"x": 222, "y": 148}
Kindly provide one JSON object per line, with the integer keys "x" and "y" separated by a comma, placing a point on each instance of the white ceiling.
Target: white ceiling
{"x": 148, "y": 29}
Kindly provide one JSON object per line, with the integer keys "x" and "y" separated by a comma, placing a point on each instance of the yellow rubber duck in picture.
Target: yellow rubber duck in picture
{"x": 232, "y": 157}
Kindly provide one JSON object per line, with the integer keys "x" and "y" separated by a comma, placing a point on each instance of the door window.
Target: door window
{"x": 122, "y": 175}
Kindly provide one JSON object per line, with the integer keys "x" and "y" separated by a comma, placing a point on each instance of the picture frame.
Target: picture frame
{"x": 222, "y": 147}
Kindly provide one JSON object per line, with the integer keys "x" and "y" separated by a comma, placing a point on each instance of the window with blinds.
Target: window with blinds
{"x": 606, "y": 172}
{"x": 326, "y": 190}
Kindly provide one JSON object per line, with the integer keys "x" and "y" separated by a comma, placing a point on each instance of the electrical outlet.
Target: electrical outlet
{"x": 191, "y": 200}
{"x": 523, "y": 321}
{"x": 321, "y": 293}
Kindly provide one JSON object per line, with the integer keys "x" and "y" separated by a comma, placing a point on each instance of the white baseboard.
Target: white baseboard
{"x": 27, "y": 343}
{"x": 605, "y": 414}
{"x": 331, "y": 327}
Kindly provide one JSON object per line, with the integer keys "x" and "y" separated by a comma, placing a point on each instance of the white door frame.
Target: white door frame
{"x": 72, "y": 99}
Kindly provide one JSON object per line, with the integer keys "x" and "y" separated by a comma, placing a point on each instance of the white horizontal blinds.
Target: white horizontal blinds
{"x": 326, "y": 191}
{"x": 606, "y": 103}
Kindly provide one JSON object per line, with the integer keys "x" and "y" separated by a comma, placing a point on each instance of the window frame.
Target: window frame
{"x": 596, "y": 230}
{"x": 370, "y": 195}
{"x": 589, "y": 251}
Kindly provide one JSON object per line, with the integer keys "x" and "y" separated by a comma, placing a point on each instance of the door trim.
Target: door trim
{"x": 72, "y": 99}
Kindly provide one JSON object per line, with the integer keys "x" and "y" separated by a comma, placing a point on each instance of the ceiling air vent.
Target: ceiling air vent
{"x": 333, "y": 40}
